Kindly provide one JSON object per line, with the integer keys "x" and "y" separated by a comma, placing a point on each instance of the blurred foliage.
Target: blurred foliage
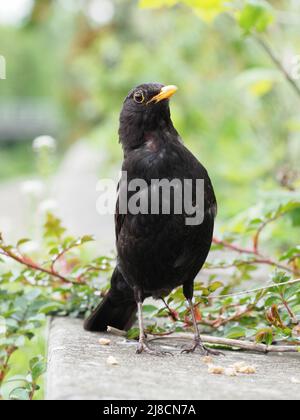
{"x": 15, "y": 159}
{"x": 234, "y": 109}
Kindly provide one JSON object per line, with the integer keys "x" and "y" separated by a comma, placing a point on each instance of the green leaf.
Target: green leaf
{"x": 16, "y": 378}
{"x": 50, "y": 307}
{"x": 236, "y": 332}
{"x": 216, "y": 286}
{"x": 292, "y": 252}
{"x": 87, "y": 238}
{"x": 20, "y": 341}
{"x": 23, "y": 241}
{"x": 149, "y": 309}
{"x": 272, "y": 300}
{"x": 292, "y": 291}
{"x": 256, "y": 15}
{"x": 54, "y": 251}
{"x": 295, "y": 217}
{"x": 33, "y": 295}
{"x": 133, "y": 333}
{"x": 53, "y": 227}
{"x": 265, "y": 335}
{"x": 280, "y": 277}
{"x": 37, "y": 368}
{"x": 20, "y": 394}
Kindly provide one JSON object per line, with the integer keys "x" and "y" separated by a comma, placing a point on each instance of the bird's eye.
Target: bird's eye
{"x": 139, "y": 97}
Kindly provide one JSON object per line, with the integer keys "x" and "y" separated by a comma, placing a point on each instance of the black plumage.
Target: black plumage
{"x": 156, "y": 252}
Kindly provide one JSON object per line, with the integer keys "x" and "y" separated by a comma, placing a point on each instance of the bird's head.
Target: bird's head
{"x": 146, "y": 109}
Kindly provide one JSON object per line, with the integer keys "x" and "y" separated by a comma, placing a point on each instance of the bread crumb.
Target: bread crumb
{"x": 247, "y": 370}
{"x": 243, "y": 368}
{"x": 104, "y": 342}
{"x": 231, "y": 371}
{"x": 208, "y": 360}
{"x": 239, "y": 365}
{"x": 216, "y": 370}
{"x": 112, "y": 361}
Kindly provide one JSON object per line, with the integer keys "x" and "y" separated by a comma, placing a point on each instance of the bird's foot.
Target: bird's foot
{"x": 198, "y": 345}
{"x": 143, "y": 347}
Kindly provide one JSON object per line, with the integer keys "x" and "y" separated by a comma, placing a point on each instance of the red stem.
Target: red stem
{"x": 234, "y": 247}
{"x": 61, "y": 254}
{"x": 260, "y": 260}
{"x": 36, "y": 267}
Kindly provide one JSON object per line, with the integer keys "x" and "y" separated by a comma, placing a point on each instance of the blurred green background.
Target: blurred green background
{"x": 71, "y": 62}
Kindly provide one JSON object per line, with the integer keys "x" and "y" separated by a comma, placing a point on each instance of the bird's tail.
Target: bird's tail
{"x": 118, "y": 309}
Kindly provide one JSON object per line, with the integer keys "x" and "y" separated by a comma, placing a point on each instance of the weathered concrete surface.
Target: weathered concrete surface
{"x": 78, "y": 369}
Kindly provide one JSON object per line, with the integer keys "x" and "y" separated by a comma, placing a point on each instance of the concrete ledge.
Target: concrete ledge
{"x": 78, "y": 370}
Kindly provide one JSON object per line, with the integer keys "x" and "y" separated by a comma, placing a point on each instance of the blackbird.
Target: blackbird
{"x": 156, "y": 252}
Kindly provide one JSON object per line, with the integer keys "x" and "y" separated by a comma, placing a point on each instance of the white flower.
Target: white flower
{"x": 47, "y": 206}
{"x": 33, "y": 188}
{"x": 44, "y": 142}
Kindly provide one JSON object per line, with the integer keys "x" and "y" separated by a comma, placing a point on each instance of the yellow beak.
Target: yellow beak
{"x": 165, "y": 93}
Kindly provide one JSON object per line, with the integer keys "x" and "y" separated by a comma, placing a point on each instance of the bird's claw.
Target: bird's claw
{"x": 143, "y": 347}
{"x": 204, "y": 350}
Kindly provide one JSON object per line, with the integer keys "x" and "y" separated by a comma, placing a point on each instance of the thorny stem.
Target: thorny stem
{"x": 235, "y": 248}
{"x": 32, "y": 392}
{"x": 217, "y": 341}
{"x": 278, "y": 63}
{"x": 81, "y": 278}
{"x": 259, "y": 232}
{"x": 236, "y": 317}
{"x": 172, "y": 313}
{"x": 221, "y": 321}
{"x": 290, "y": 312}
{"x": 4, "y": 368}
{"x": 251, "y": 291}
{"x": 34, "y": 266}
{"x": 260, "y": 259}
{"x": 61, "y": 254}
{"x": 258, "y": 262}
{"x": 234, "y": 344}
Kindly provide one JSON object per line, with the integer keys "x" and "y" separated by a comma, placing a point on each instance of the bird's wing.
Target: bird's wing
{"x": 119, "y": 218}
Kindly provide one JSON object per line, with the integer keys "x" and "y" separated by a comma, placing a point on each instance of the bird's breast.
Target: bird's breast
{"x": 152, "y": 143}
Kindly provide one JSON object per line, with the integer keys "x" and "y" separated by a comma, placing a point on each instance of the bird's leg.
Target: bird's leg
{"x": 198, "y": 343}
{"x": 143, "y": 345}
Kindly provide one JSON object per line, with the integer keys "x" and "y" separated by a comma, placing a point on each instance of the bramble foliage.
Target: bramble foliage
{"x": 270, "y": 315}
{"x": 65, "y": 284}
